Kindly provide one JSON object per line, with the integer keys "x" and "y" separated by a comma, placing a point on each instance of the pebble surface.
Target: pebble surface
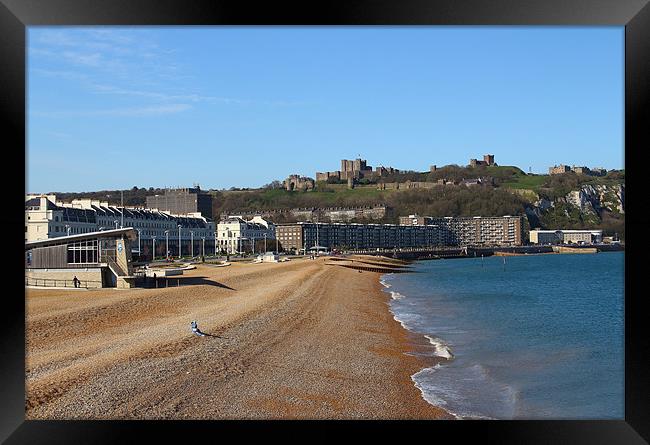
{"x": 294, "y": 340}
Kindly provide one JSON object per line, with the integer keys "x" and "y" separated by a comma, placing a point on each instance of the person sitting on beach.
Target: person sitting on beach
{"x": 196, "y": 330}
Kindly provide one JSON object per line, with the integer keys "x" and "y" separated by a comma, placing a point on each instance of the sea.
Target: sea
{"x": 519, "y": 337}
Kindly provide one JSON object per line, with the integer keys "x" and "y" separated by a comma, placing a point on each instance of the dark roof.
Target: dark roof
{"x": 128, "y": 231}
{"x": 36, "y": 202}
{"x": 74, "y": 214}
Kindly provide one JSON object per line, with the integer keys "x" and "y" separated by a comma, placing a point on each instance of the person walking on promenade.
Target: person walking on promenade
{"x": 75, "y": 281}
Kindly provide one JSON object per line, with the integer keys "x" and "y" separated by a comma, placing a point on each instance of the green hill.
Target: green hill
{"x": 513, "y": 193}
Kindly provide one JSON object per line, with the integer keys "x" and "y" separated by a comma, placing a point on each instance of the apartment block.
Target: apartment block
{"x": 474, "y": 231}
{"x": 306, "y": 235}
{"x": 182, "y": 201}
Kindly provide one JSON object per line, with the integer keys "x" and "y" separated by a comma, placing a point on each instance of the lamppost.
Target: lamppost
{"x": 265, "y": 243}
{"x": 203, "y": 239}
{"x": 67, "y": 228}
{"x": 153, "y": 254}
{"x": 167, "y": 244}
{"x": 179, "y": 241}
{"x": 192, "y": 242}
{"x": 317, "y": 245}
{"x": 139, "y": 251}
{"x": 122, "y": 210}
{"x": 215, "y": 244}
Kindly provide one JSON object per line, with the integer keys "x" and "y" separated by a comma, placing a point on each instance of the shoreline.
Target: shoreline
{"x": 294, "y": 340}
{"x": 418, "y": 345}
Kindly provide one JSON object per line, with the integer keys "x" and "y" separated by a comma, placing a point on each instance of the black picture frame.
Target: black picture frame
{"x": 16, "y": 15}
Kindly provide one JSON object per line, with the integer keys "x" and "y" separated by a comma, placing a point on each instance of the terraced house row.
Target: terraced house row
{"x": 46, "y": 218}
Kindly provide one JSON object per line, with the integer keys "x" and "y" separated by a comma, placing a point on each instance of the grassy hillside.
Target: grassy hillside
{"x": 439, "y": 201}
{"x": 525, "y": 182}
{"x": 514, "y": 190}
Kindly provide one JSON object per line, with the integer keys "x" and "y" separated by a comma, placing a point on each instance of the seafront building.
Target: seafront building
{"x": 96, "y": 259}
{"x": 307, "y": 235}
{"x": 182, "y": 201}
{"x": 413, "y": 231}
{"x": 235, "y": 234}
{"x": 47, "y": 218}
{"x": 566, "y": 236}
{"x": 473, "y": 230}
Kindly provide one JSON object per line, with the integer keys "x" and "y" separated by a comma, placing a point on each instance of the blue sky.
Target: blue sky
{"x": 114, "y": 107}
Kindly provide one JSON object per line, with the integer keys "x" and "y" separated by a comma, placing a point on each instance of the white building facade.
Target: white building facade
{"x": 236, "y": 234}
{"x": 566, "y": 236}
{"x": 157, "y": 231}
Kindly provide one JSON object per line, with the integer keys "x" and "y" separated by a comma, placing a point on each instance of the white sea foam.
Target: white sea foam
{"x": 441, "y": 348}
{"x": 459, "y": 391}
{"x": 429, "y": 394}
{"x": 400, "y": 321}
{"x": 383, "y": 283}
{"x": 396, "y": 295}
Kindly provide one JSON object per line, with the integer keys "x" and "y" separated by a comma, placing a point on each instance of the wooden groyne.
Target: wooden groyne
{"x": 370, "y": 264}
{"x": 370, "y": 268}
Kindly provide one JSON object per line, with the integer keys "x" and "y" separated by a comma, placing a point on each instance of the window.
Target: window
{"x": 82, "y": 252}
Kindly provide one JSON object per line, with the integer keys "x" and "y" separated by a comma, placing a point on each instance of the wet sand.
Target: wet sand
{"x": 294, "y": 340}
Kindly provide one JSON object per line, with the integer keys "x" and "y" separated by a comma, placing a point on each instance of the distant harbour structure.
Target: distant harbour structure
{"x": 566, "y": 236}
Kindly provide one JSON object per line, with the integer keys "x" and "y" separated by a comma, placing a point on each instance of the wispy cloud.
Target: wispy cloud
{"x": 124, "y": 53}
{"x": 59, "y": 74}
{"x": 155, "y": 110}
{"x": 193, "y": 97}
{"x": 126, "y": 63}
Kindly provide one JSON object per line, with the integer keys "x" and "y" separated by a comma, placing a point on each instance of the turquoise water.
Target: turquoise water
{"x": 539, "y": 337}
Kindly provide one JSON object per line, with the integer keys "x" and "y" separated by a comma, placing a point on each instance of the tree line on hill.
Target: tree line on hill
{"x": 135, "y": 196}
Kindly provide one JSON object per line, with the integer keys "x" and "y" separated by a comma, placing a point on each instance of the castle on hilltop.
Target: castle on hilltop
{"x": 355, "y": 169}
{"x": 487, "y": 160}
